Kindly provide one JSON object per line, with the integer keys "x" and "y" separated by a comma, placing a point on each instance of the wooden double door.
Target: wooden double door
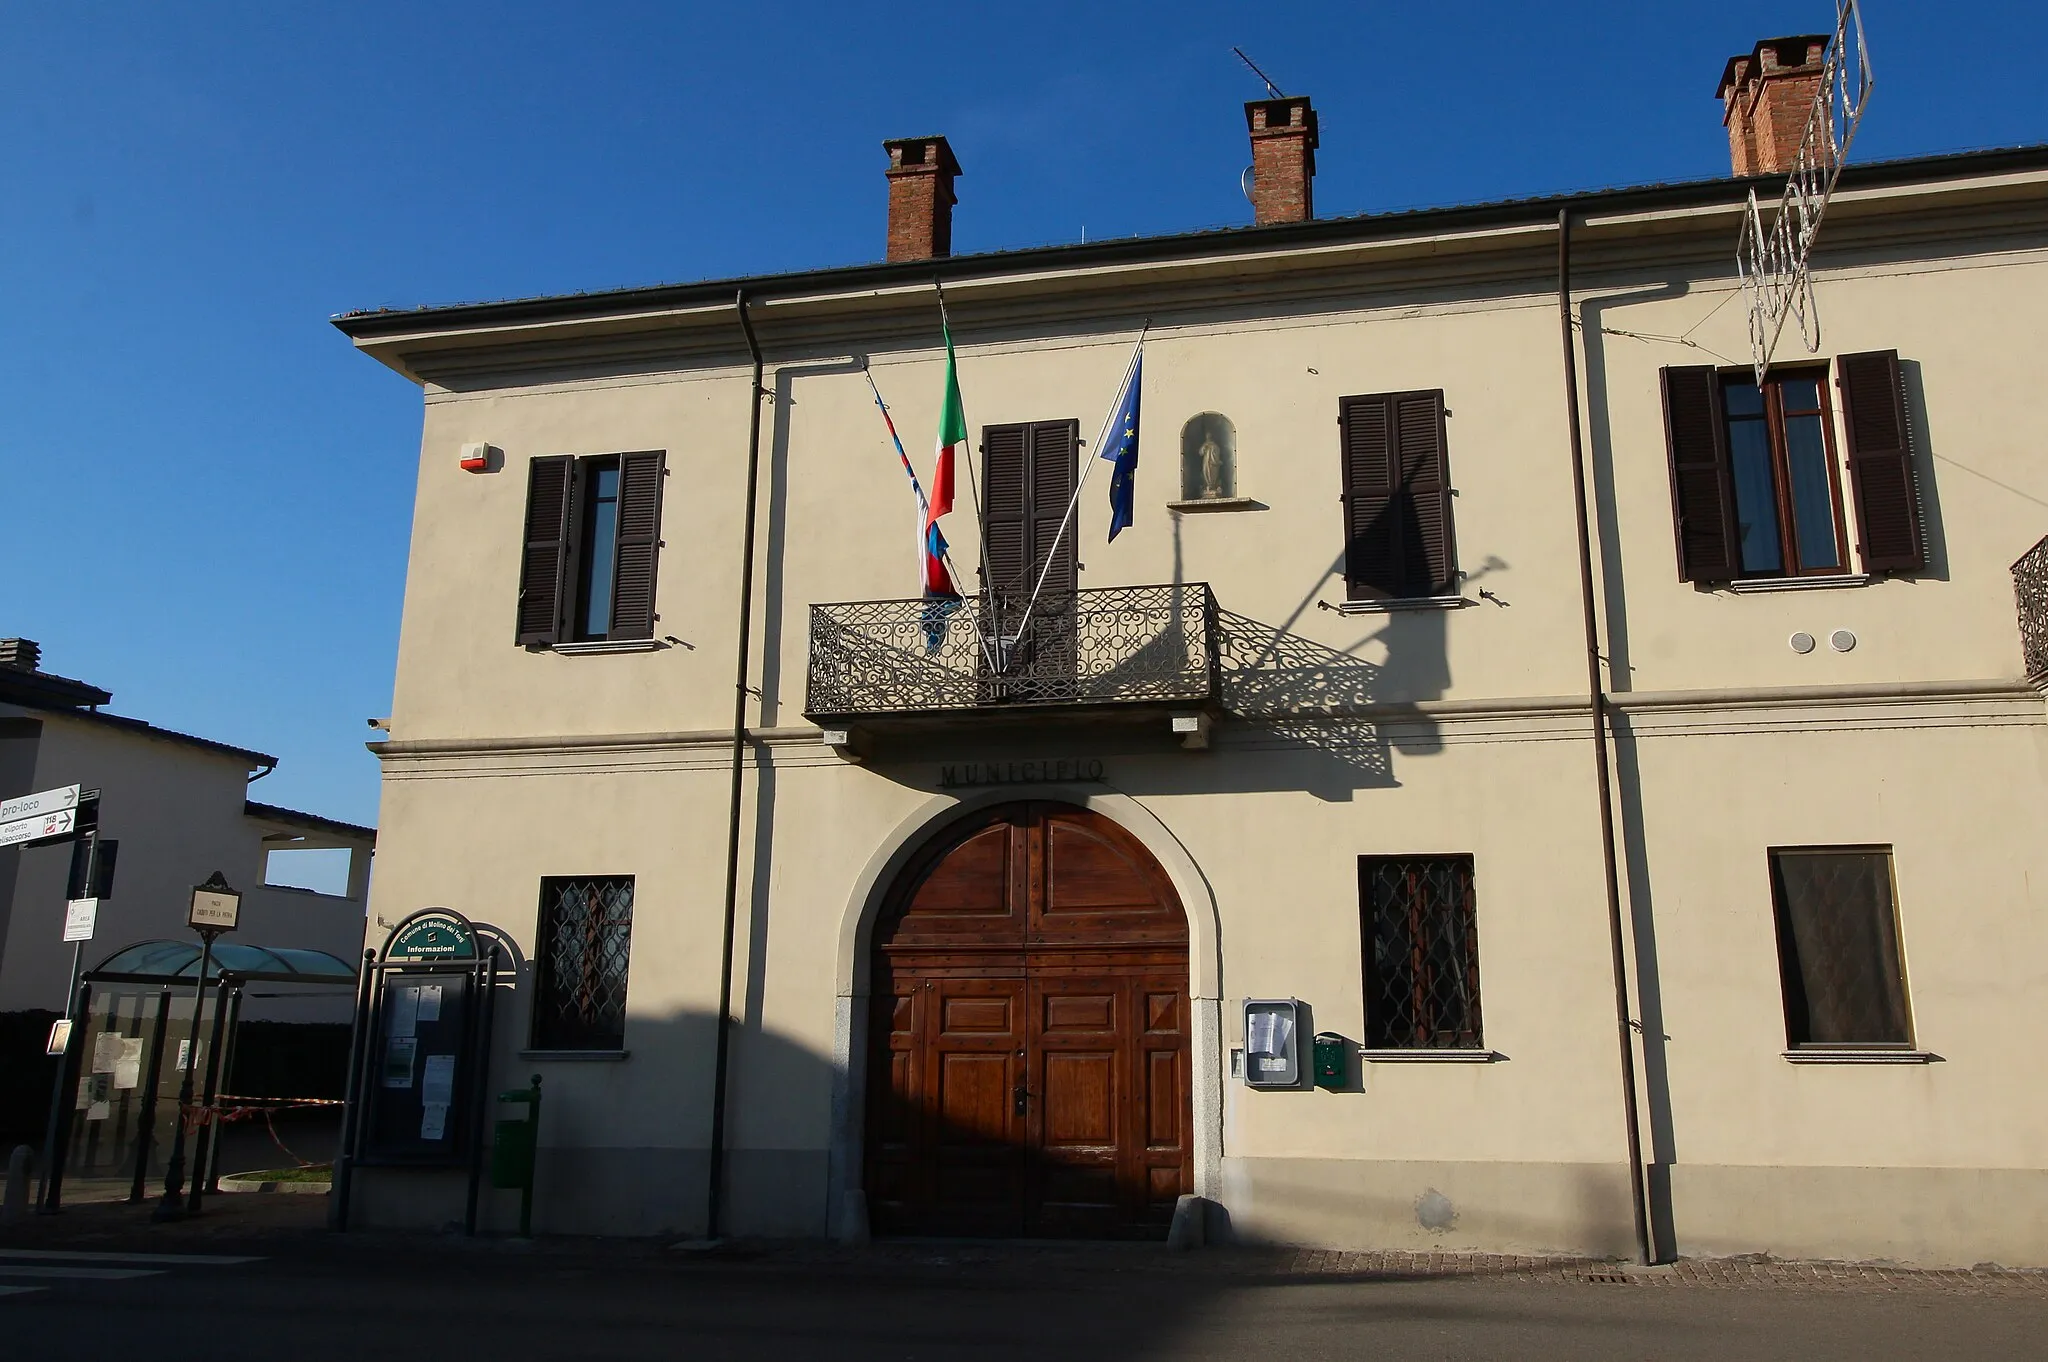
{"x": 1029, "y": 1068}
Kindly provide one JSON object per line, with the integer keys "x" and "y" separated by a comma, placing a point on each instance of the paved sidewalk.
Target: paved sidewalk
{"x": 284, "y": 1225}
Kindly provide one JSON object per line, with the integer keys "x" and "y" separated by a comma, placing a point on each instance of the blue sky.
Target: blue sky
{"x": 207, "y": 495}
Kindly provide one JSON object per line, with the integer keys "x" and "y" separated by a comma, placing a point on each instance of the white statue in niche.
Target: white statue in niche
{"x": 1208, "y": 452}
{"x": 1212, "y": 467}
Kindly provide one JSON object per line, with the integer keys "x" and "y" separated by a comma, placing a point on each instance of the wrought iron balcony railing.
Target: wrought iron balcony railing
{"x": 1133, "y": 645}
{"x": 2030, "y": 593}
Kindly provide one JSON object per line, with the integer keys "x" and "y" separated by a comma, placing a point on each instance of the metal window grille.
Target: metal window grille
{"x": 586, "y": 936}
{"x": 1838, "y": 947}
{"x": 1421, "y": 952}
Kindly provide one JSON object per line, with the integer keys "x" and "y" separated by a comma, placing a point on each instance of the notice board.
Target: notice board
{"x": 421, "y": 1068}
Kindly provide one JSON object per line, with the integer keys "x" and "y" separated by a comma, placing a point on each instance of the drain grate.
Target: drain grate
{"x": 1614, "y": 1278}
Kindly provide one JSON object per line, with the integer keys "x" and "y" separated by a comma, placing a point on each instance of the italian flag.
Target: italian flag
{"x": 952, "y": 434}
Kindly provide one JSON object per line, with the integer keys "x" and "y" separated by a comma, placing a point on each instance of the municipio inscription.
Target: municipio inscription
{"x": 1043, "y": 771}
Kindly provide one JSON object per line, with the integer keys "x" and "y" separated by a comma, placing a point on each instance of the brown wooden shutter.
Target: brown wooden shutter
{"x": 544, "y": 568}
{"x": 1429, "y": 563}
{"x": 640, "y": 478}
{"x": 1371, "y": 561}
{"x": 1702, "y": 491}
{"x": 1881, "y": 462}
{"x": 1054, "y": 446}
{"x": 1005, "y": 506}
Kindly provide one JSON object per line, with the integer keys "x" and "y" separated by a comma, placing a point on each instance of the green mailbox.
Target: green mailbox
{"x": 514, "y": 1143}
{"x": 1333, "y": 1060}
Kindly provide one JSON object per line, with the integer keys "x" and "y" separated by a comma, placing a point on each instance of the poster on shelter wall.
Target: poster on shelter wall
{"x": 106, "y": 1051}
{"x": 128, "y": 1068}
{"x": 399, "y": 1053}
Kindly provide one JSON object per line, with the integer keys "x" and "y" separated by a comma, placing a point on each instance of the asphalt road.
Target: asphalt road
{"x": 305, "y": 1297}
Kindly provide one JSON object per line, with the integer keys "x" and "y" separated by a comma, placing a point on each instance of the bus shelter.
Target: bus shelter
{"x": 140, "y": 1036}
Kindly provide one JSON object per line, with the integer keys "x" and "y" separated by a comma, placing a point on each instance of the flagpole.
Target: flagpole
{"x": 923, "y": 506}
{"x": 973, "y": 484}
{"x": 1094, "y": 457}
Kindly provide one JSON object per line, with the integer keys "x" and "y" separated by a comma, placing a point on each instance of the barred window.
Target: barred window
{"x": 1838, "y": 947}
{"x": 1421, "y": 952}
{"x": 586, "y": 935}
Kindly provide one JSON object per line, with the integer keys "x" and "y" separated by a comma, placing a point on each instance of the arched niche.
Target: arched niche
{"x": 1208, "y": 458}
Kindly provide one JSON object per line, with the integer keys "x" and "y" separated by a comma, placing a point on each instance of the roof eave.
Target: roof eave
{"x": 369, "y": 329}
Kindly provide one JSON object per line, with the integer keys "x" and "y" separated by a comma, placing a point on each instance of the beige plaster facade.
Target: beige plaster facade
{"x": 1458, "y": 730}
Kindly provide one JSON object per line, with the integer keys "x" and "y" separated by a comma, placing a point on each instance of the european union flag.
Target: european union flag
{"x": 1120, "y": 447}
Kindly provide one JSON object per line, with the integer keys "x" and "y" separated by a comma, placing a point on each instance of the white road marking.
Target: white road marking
{"x": 62, "y": 1255}
{"x": 18, "y": 1290}
{"x": 101, "y": 1274}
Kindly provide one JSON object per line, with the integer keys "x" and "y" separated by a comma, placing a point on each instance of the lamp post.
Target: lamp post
{"x": 215, "y": 909}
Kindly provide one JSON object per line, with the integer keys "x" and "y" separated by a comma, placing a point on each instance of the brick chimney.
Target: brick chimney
{"x": 921, "y": 171}
{"x": 1766, "y": 98}
{"x": 1283, "y": 159}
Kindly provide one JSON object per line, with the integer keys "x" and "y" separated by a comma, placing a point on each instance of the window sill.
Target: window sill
{"x": 607, "y": 645}
{"x": 1204, "y": 504}
{"x": 576, "y": 1056}
{"x": 1824, "y": 1055}
{"x": 1758, "y": 585}
{"x": 1404, "y": 603}
{"x": 1430, "y": 1056}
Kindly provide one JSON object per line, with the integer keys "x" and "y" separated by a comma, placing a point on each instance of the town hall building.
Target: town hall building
{"x": 836, "y": 909}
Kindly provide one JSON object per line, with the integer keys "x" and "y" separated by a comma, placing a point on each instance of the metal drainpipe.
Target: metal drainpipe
{"x": 715, "y": 1199}
{"x": 1597, "y": 691}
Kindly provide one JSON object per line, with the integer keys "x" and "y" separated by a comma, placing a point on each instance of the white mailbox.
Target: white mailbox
{"x": 1272, "y": 1043}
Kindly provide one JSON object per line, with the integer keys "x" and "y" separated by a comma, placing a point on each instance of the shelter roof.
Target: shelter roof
{"x": 172, "y": 962}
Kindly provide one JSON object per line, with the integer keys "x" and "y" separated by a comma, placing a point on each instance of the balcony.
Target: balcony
{"x": 2030, "y": 593}
{"x": 1118, "y": 652}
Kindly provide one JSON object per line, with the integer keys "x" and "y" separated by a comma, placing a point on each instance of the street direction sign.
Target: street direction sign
{"x": 38, "y": 828}
{"x": 47, "y": 801}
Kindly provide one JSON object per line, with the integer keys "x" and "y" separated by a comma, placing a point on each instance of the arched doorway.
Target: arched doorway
{"x": 1028, "y": 1066}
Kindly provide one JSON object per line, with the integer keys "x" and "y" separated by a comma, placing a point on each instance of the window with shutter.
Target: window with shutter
{"x": 544, "y": 562}
{"x": 1399, "y": 542}
{"x": 593, "y": 535}
{"x": 1028, "y": 472}
{"x": 639, "y": 536}
{"x": 1755, "y": 478}
{"x": 1888, "y": 512}
{"x": 1702, "y": 503}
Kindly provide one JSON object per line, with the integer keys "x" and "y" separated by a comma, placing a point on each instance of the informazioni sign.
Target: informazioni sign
{"x": 1042, "y": 771}
{"x": 432, "y": 934}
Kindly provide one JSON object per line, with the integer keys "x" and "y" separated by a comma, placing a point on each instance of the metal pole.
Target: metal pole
{"x": 60, "y": 1116}
{"x": 172, "y": 1206}
{"x": 227, "y": 1080}
{"x": 533, "y": 1165}
{"x": 344, "y": 1154}
{"x": 485, "y": 974}
{"x": 52, "y": 1157}
{"x": 145, "y": 1131}
{"x": 1596, "y": 688}
{"x": 208, "y": 1137}
{"x": 722, "y": 1048}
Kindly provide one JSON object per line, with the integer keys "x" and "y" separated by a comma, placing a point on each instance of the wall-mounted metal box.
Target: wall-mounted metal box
{"x": 1272, "y": 1042}
{"x": 1333, "y": 1060}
